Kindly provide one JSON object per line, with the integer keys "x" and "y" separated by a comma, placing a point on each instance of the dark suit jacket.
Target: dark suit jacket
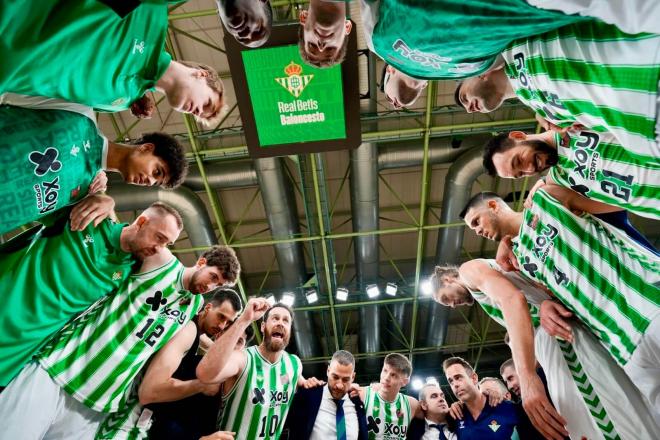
{"x": 418, "y": 426}
{"x": 302, "y": 415}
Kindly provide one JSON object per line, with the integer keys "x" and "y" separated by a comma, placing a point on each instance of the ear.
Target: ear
{"x": 303, "y": 16}
{"x": 353, "y": 377}
{"x": 201, "y": 73}
{"x": 207, "y": 307}
{"x": 147, "y": 148}
{"x": 201, "y": 262}
{"x": 424, "y": 84}
{"x": 348, "y": 26}
{"x": 517, "y": 136}
{"x": 493, "y": 205}
{"x": 263, "y": 326}
{"x": 141, "y": 221}
{"x": 423, "y": 404}
{"x": 475, "y": 379}
{"x": 405, "y": 381}
{"x": 391, "y": 70}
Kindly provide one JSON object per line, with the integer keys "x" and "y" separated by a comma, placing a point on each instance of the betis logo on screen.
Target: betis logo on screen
{"x": 294, "y": 81}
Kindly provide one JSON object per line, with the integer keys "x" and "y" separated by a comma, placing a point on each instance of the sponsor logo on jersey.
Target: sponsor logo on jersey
{"x": 156, "y": 301}
{"x": 425, "y": 59}
{"x": 88, "y": 240}
{"x": 138, "y": 46}
{"x": 173, "y": 314}
{"x": 47, "y": 194}
{"x": 394, "y": 431}
{"x": 585, "y": 156}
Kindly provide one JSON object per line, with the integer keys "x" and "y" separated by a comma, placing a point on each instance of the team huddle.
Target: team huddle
{"x": 107, "y": 335}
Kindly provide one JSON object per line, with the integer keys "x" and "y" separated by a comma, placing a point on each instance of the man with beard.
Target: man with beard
{"x": 262, "y": 379}
{"x": 322, "y": 36}
{"x": 510, "y": 377}
{"x": 85, "y": 372}
{"x": 587, "y": 387}
{"x": 587, "y": 162}
{"x": 436, "y": 416}
{"x": 248, "y": 21}
{"x": 400, "y": 89}
{"x": 328, "y": 412}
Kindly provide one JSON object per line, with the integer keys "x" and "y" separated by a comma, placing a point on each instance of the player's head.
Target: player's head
{"x": 494, "y": 387}
{"x": 395, "y": 373}
{"x": 483, "y": 93}
{"x": 276, "y": 327}
{"x": 510, "y": 377}
{"x": 516, "y": 154}
{"x": 219, "y": 266}
{"x": 432, "y": 400}
{"x": 248, "y": 21}
{"x": 400, "y": 89}
{"x": 219, "y": 311}
{"x": 341, "y": 373}
{"x": 462, "y": 379}
{"x": 157, "y": 159}
{"x": 323, "y": 33}
{"x": 157, "y": 227}
{"x": 483, "y": 214}
{"x": 245, "y": 339}
{"x": 447, "y": 288}
{"x": 198, "y": 91}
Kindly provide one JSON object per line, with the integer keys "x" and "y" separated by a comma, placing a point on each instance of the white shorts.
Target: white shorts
{"x": 34, "y": 407}
{"x": 643, "y": 367}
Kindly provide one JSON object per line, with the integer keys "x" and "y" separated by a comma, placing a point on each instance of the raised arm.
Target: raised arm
{"x": 158, "y": 384}
{"x": 513, "y": 304}
{"x": 578, "y": 203}
{"x": 221, "y": 361}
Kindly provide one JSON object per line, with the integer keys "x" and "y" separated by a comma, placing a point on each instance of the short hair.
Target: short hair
{"x": 343, "y": 357}
{"x": 455, "y": 360}
{"x": 497, "y": 381}
{"x": 325, "y": 62}
{"x": 506, "y": 364}
{"x": 399, "y": 362}
{"x": 478, "y": 200}
{"x": 281, "y": 306}
{"x": 171, "y": 151}
{"x": 497, "y": 144}
{"x": 214, "y": 81}
{"x": 166, "y": 209}
{"x": 422, "y": 392}
{"x": 249, "y": 335}
{"x": 457, "y": 98}
{"x": 440, "y": 271}
{"x": 225, "y": 259}
{"x": 222, "y": 294}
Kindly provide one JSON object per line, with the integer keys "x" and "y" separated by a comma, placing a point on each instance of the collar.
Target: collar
{"x": 328, "y": 395}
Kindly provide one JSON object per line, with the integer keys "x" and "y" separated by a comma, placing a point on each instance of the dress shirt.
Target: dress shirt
{"x": 325, "y": 426}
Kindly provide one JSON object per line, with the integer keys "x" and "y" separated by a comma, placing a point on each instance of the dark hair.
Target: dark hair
{"x": 477, "y": 200}
{"x": 457, "y": 361}
{"x": 505, "y": 364}
{"x": 225, "y": 259}
{"x": 168, "y": 210}
{"x": 457, "y": 98}
{"x": 171, "y": 151}
{"x": 343, "y": 357}
{"x": 222, "y": 294}
{"x": 321, "y": 63}
{"x": 496, "y": 144}
{"x": 383, "y": 73}
{"x": 249, "y": 335}
{"x": 400, "y": 362}
{"x": 281, "y": 306}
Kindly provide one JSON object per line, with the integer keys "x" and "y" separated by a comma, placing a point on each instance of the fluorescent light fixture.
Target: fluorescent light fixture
{"x": 288, "y": 298}
{"x": 391, "y": 289}
{"x": 416, "y": 383}
{"x": 426, "y": 287}
{"x": 311, "y": 296}
{"x": 373, "y": 290}
{"x": 432, "y": 380}
{"x": 342, "y": 294}
{"x": 271, "y": 300}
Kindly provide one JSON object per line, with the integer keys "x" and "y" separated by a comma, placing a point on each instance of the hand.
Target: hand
{"x": 528, "y": 200}
{"x": 99, "y": 184}
{"x": 210, "y": 389}
{"x": 311, "y": 382}
{"x": 456, "y": 410}
{"x": 494, "y": 398}
{"x": 549, "y": 126}
{"x": 255, "y": 309}
{"x": 505, "y": 257}
{"x": 553, "y": 320}
{"x": 220, "y": 435}
{"x": 94, "y": 208}
{"x": 354, "y": 390}
{"x": 541, "y": 413}
{"x": 144, "y": 107}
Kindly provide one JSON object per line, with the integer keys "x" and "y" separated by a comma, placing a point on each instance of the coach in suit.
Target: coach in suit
{"x": 437, "y": 423}
{"x": 327, "y": 412}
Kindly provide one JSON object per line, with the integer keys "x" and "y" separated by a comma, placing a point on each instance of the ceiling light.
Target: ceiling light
{"x": 342, "y": 294}
{"x": 311, "y": 296}
{"x": 271, "y": 300}
{"x": 432, "y": 380}
{"x": 426, "y": 287}
{"x": 391, "y": 289}
{"x": 372, "y": 290}
{"x": 416, "y": 383}
{"x": 288, "y": 298}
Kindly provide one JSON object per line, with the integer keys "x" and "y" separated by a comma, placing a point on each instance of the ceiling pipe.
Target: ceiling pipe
{"x": 280, "y": 205}
{"x": 458, "y": 190}
{"x": 223, "y": 175}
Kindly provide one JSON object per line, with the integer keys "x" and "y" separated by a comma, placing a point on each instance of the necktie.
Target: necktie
{"x": 339, "y": 417}
{"x": 441, "y": 435}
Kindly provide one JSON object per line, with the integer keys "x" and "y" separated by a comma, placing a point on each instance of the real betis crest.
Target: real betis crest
{"x": 494, "y": 425}
{"x": 294, "y": 81}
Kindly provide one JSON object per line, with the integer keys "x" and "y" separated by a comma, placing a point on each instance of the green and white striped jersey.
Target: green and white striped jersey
{"x": 593, "y": 74}
{"x": 131, "y": 422}
{"x": 257, "y": 404}
{"x": 387, "y": 420}
{"x": 96, "y": 357}
{"x": 597, "y": 167}
{"x": 610, "y": 282}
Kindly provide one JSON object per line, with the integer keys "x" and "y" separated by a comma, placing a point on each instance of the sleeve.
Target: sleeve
{"x": 369, "y": 13}
{"x": 41, "y": 102}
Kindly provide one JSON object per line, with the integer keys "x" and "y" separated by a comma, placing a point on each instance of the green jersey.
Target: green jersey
{"x": 50, "y": 157}
{"x": 100, "y": 58}
{"x": 593, "y": 74}
{"x": 50, "y": 280}
{"x": 257, "y": 404}
{"x": 594, "y": 165}
{"x": 387, "y": 420}
{"x": 131, "y": 422}
{"x": 442, "y": 39}
{"x": 610, "y": 282}
{"x": 96, "y": 357}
